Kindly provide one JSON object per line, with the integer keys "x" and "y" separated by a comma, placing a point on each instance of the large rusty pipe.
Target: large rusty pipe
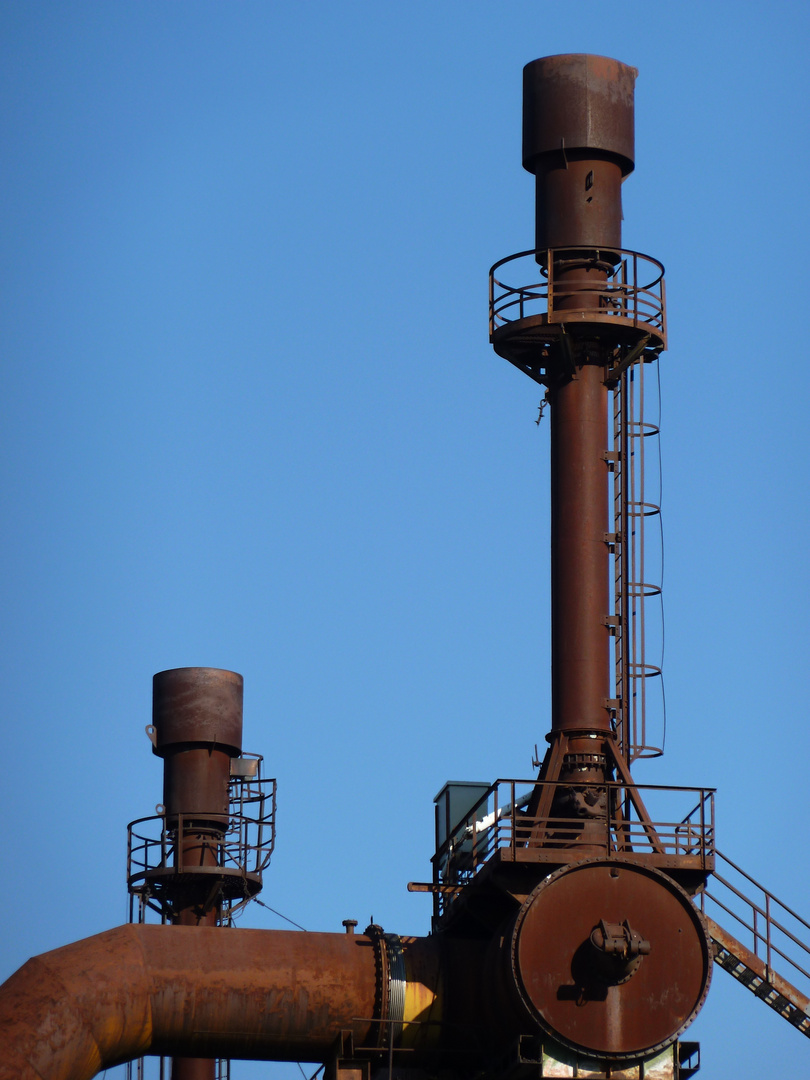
{"x": 205, "y": 992}
{"x": 193, "y": 992}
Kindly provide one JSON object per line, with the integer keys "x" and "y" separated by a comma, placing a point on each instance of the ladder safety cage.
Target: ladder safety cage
{"x": 155, "y": 854}
{"x": 638, "y": 563}
{"x": 157, "y": 848}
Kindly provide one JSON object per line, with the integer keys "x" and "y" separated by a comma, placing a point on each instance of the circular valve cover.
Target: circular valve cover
{"x": 609, "y": 1004}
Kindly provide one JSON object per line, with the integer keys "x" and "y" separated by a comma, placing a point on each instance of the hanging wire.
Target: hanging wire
{"x": 663, "y": 714}
{"x": 286, "y": 919}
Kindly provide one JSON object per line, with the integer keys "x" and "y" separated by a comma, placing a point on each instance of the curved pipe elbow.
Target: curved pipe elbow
{"x": 188, "y": 991}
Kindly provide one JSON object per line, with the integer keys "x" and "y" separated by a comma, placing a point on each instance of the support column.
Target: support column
{"x": 580, "y": 566}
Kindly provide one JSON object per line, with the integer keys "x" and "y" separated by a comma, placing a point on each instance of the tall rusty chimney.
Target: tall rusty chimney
{"x": 588, "y": 321}
{"x": 578, "y": 142}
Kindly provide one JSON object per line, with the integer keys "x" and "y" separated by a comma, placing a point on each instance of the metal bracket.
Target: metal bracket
{"x": 569, "y": 367}
{"x": 247, "y": 768}
{"x": 616, "y": 372}
{"x": 345, "y": 1065}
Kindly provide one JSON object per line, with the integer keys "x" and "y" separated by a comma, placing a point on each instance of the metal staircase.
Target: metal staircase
{"x": 776, "y": 935}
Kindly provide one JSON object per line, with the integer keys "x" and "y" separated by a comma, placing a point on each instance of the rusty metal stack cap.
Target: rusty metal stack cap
{"x": 196, "y": 706}
{"x": 578, "y": 102}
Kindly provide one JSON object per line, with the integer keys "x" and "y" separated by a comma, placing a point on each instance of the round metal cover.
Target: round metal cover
{"x": 563, "y": 982}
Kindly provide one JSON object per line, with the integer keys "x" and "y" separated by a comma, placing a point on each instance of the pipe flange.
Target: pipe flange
{"x": 376, "y": 936}
{"x": 389, "y": 997}
{"x": 396, "y": 983}
{"x": 611, "y": 958}
{"x": 584, "y": 761}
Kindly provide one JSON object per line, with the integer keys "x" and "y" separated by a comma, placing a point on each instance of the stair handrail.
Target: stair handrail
{"x": 765, "y": 912}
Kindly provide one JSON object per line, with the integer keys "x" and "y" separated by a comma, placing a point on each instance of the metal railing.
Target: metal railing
{"x": 592, "y": 818}
{"x": 161, "y": 847}
{"x": 160, "y": 850}
{"x": 633, "y": 291}
{"x": 773, "y": 932}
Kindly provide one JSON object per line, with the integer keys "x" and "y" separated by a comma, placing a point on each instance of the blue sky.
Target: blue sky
{"x": 250, "y": 419}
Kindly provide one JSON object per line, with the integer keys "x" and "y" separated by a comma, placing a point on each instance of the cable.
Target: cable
{"x": 291, "y": 921}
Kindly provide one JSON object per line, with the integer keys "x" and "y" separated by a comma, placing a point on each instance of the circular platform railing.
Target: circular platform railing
{"x": 632, "y": 293}
{"x": 164, "y": 854}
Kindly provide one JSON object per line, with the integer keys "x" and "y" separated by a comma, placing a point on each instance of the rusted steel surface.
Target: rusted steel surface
{"x": 65, "y": 1014}
{"x": 203, "y": 992}
{"x": 578, "y": 101}
{"x": 198, "y": 705}
{"x": 578, "y": 140}
{"x": 611, "y": 958}
{"x": 605, "y": 954}
{"x": 193, "y": 1069}
{"x": 579, "y": 203}
{"x": 580, "y": 561}
{"x": 192, "y": 992}
{"x": 197, "y": 722}
{"x": 196, "y": 784}
{"x": 760, "y": 978}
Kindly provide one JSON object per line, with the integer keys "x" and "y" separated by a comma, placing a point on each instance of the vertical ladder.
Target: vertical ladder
{"x": 634, "y": 583}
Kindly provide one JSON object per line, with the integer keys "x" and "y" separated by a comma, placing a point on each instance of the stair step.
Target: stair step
{"x": 762, "y": 981}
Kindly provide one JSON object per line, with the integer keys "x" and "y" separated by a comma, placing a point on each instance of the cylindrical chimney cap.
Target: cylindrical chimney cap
{"x": 578, "y": 102}
{"x": 197, "y": 705}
